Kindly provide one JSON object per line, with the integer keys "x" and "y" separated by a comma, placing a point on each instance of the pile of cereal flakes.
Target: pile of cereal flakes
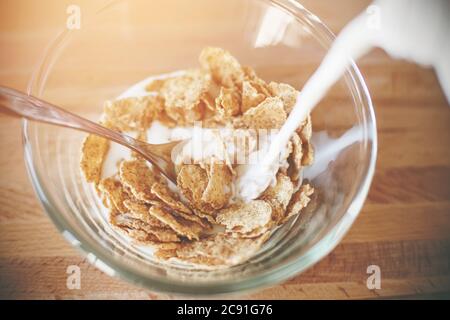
{"x": 198, "y": 224}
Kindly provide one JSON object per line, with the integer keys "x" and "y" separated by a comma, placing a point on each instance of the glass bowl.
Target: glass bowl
{"x": 127, "y": 41}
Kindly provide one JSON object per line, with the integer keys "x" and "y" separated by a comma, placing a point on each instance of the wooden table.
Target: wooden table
{"x": 404, "y": 226}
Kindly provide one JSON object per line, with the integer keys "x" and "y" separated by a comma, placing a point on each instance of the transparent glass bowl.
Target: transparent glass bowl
{"x": 128, "y": 41}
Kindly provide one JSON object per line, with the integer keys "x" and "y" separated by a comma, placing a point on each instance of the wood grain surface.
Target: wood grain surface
{"x": 404, "y": 226}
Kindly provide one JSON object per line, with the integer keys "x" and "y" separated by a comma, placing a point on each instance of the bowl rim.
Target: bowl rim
{"x": 259, "y": 281}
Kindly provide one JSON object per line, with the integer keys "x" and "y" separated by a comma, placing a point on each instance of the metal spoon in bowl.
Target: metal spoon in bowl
{"x": 19, "y": 104}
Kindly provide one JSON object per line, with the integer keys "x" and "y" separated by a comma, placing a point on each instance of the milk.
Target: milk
{"x": 411, "y": 29}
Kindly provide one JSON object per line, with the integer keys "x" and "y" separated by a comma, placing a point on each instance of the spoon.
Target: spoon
{"x": 19, "y": 104}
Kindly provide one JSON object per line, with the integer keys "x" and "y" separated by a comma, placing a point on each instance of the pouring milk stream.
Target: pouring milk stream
{"x": 411, "y": 29}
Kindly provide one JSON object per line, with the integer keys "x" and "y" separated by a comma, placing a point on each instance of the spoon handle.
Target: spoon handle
{"x": 18, "y": 104}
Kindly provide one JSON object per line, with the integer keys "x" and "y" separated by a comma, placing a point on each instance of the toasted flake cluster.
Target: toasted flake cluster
{"x": 197, "y": 221}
